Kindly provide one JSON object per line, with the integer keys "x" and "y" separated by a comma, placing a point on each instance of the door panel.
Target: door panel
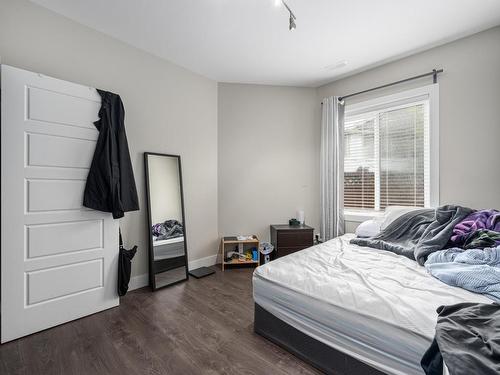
{"x": 45, "y": 285}
{"x": 56, "y": 151}
{"x": 71, "y": 236}
{"x": 58, "y": 258}
{"x": 52, "y": 195}
{"x": 62, "y": 107}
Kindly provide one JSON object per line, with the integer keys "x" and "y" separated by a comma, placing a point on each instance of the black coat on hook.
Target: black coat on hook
{"x": 110, "y": 184}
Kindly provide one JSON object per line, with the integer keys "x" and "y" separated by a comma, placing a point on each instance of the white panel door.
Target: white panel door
{"x": 58, "y": 259}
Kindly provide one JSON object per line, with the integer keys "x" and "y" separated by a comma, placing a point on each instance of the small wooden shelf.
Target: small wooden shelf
{"x": 231, "y": 241}
{"x": 236, "y": 261}
{"x": 234, "y": 241}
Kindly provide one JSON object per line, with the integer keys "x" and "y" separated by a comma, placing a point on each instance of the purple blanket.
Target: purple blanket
{"x": 478, "y": 220}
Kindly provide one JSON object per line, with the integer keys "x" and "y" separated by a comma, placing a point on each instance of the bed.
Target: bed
{"x": 168, "y": 248}
{"x": 351, "y": 310}
{"x": 168, "y": 254}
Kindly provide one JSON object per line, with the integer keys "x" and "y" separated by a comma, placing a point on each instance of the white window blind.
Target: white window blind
{"x": 387, "y": 157}
{"x": 359, "y": 163}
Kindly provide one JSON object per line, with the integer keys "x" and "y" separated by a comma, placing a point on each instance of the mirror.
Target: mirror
{"x": 166, "y": 223}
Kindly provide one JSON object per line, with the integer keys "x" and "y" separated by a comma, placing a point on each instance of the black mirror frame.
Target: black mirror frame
{"x": 152, "y": 281}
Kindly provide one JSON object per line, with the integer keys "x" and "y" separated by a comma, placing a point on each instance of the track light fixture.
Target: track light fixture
{"x": 292, "y": 25}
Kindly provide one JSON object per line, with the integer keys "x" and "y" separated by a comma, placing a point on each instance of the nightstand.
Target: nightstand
{"x": 288, "y": 239}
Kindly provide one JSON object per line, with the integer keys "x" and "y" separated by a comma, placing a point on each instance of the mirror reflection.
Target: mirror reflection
{"x": 168, "y": 260}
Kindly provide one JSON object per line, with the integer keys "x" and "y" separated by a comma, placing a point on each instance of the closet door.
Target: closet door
{"x": 58, "y": 258}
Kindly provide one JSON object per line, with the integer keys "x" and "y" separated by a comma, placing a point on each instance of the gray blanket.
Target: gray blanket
{"x": 467, "y": 338}
{"x": 419, "y": 233}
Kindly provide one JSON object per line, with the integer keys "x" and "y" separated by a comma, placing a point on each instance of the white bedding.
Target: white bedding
{"x": 374, "y": 305}
{"x": 167, "y": 241}
{"x": 169, "y": 248}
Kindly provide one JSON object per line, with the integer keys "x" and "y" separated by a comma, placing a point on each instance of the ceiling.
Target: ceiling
{"x": 248, "y": 40}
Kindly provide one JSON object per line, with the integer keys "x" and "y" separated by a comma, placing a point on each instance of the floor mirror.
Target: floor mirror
{"x": 166, "y": 222}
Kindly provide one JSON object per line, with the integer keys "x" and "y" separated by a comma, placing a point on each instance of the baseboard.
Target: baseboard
{"x": 203, "y": 262}
{"x": 141, "y": 281}
{"x": 138, "y": 281}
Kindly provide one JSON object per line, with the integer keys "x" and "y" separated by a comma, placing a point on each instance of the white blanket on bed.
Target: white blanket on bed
{"x": 382, "y": 291}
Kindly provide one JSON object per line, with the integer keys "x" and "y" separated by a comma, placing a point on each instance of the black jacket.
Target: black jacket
{"x": 110, "y": 184}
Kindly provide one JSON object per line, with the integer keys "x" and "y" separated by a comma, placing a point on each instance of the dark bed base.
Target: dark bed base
{"x": 314, "y": 352}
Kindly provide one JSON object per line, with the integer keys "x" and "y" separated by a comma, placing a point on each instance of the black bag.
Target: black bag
{"x": 124, "y": 267}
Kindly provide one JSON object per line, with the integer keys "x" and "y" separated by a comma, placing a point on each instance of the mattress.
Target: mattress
{"x": 169, "y": 248}
{"x": 373, "y": 305}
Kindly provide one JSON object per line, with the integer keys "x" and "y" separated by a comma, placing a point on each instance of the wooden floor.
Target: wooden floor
{"x": 201, "y": 326}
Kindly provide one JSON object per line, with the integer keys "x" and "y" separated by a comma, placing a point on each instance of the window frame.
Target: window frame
{"x": 428, "y": 93}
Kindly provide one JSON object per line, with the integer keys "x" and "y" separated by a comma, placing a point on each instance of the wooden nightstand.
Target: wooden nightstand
{"x": 288, "y": 239}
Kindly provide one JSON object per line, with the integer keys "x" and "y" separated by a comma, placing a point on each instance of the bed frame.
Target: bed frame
{"x": 314, "y": 352}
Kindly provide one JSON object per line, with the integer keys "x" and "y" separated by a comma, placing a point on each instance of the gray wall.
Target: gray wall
{"x": 264, "y": 150}
{"x": 268, "y": 157}
{"x": 469, "y": 112}
{"x": 168, "y": 109}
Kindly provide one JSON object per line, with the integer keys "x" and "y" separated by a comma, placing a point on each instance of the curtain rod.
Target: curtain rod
{"x": 434, "y": 74}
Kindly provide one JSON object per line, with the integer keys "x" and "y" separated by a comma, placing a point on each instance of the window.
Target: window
{"x": 390, "y": 151}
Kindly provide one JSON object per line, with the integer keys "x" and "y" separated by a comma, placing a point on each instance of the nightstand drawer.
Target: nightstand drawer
{"x": 295, "y": 238}
{"x": 282, "y": 251}
{"x": 288, "y": 239}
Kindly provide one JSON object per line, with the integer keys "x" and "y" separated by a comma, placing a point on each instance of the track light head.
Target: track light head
{"x": 292, "y": 25}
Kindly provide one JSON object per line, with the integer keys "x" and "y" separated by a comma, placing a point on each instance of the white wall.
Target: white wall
{"x": 168, "y": 109}
{"x": 164, "y": 189}
{"x": 269, "y": 140}
{"x": 469, "y": 112}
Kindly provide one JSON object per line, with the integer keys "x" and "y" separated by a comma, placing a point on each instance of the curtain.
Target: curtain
{"x": 332, "y": 169}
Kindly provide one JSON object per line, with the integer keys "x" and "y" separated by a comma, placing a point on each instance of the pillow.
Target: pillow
{"x": 368, "y": 228}
{"x": 393, "y": 212}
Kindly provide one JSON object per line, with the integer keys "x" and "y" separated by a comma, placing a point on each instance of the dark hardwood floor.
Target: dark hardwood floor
{"x": 201, "y": 326}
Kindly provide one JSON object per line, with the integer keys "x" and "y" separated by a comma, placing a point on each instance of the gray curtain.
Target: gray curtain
{"x": 332, "y": 169}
